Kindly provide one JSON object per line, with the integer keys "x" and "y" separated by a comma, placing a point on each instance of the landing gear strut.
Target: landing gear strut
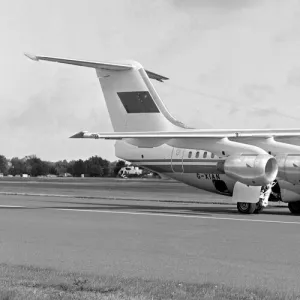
{"x": 259, "y": 207}
{"x": 294, "y": 207}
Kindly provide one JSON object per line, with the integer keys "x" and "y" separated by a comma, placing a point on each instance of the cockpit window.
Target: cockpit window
{"x": 205, "y": 154}
{"x": 197, "y": 154}
{"x": 190, "y": 154}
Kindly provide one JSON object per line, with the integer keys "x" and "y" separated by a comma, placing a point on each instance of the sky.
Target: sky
{"x": 231, "y": 64}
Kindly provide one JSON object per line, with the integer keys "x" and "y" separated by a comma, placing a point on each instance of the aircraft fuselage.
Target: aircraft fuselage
{"x": 198, "y": 168}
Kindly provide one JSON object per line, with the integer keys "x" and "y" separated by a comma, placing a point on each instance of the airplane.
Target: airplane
{"x": 253, "y": 166}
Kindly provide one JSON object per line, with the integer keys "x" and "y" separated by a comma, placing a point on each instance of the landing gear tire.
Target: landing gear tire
{"x": 246, "y": 208}
{"x": 294, "y": 207}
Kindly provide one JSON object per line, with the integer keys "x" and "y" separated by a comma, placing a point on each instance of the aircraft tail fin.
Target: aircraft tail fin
{"x": 132, "y": 101}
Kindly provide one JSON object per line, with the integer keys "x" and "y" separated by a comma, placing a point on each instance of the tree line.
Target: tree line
{"x": 32, "y": 165}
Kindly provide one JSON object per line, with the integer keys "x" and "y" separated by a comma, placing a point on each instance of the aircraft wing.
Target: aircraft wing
{"x": 218, "y": 141}
{"x": 95, "y": 65}
{"x": 233, "y": 134}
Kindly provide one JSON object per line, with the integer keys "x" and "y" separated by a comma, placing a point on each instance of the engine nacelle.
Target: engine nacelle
{"x": 252, "y": 170}
{"x": 289, "y": 168}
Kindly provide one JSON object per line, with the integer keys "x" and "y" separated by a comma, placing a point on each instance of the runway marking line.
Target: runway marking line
{"x": 178, "y": 216}
{"x": 163, "y": 215}
{"x": 11, "y": 206}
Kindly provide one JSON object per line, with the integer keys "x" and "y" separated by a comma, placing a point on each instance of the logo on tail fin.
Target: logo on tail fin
{"x": 138, "y": 102}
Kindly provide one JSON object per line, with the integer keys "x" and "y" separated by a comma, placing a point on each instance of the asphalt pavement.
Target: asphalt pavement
{"x": 146, "y": 237}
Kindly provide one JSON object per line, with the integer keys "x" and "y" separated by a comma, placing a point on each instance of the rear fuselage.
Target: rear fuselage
{"x": 197, "y": 168}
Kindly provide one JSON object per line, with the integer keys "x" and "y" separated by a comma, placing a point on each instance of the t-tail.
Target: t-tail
{"x": 132, "y": 101}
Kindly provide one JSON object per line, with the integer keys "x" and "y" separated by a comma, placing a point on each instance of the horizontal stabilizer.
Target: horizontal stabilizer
{"x": 95, "y": 65}
{"x": 82, "y": 63}
{"x": 156, "y": 76}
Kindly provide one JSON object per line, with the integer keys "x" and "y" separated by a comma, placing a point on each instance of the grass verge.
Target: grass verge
{"x": 23, "y": 282}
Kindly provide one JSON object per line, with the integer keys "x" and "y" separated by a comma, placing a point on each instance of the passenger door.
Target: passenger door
{"x": 177, "y": 160}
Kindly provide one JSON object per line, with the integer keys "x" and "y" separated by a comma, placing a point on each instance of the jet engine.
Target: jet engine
{"x": 289, "y": 168}
{"x": 254, "y": 170}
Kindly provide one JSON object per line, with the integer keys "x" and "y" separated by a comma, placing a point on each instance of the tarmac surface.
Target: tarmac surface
{"x": 125, "y": 227}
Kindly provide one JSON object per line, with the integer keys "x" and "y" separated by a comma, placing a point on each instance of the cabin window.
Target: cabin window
{"x": 190, "y": 154}
{"x": 270, "y": 152}
{"x": 197, "y": 154}
{"x": 205, "y": 154}
{"x": 212, "y": 155}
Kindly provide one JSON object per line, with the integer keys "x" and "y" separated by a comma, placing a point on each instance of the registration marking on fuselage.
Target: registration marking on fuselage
{"x": 177, "y": 216}
{"x": 208, "y": 176}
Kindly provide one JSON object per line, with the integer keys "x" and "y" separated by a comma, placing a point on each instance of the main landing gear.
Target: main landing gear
{"x": 294, "y": 207}
{"x": 250, "y": 208}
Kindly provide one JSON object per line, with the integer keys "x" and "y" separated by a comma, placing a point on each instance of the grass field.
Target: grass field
{"x": 23, "y": 282}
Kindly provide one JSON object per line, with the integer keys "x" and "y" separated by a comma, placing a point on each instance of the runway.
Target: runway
{"x": 107, "y": 188}
{"x": 188, "y": 241}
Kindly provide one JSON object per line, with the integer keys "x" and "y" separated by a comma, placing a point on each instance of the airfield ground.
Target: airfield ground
{"x": 146, "y": 233}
